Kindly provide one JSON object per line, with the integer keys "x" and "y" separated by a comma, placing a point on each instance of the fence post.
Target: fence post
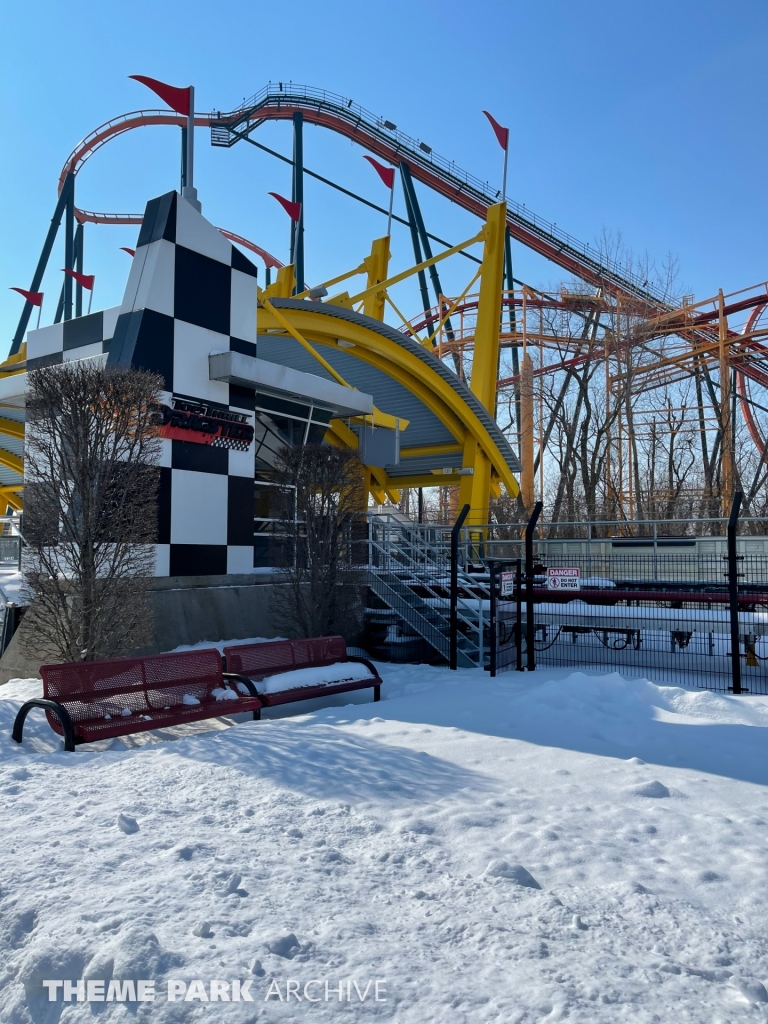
{"x": 733, "y": 592}
{"x": 454, "y": 640}
{"x": 519, "y": 614}
{"x": 492, "y": 652}
{"x": 530, "y": 626}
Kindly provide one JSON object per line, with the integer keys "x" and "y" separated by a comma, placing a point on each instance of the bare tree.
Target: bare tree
{"x": 90, "y": 514}
{"x": 323, "y": 498}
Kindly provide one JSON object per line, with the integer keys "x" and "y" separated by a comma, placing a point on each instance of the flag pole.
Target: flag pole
{"x": 504, "y": 180}
{"x": 189, "y": 191}
{"x": 391, "y": 200}
{"x": 39, "y": 314}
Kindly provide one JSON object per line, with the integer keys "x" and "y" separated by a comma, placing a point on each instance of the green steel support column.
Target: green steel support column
{"x": 42, "y": 263}
{"x": 424, "y": 239}
{"x": 426, "y": 304}
{"x": 69, "y": 253}
{"x": 297, "y": 195}
{"x": 59, "y": 306}
{"x": 79, "y": 269}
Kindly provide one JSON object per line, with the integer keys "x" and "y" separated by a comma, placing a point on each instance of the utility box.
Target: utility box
{"x": 379, "y": 446}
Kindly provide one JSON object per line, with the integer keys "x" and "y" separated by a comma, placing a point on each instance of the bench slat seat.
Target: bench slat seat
{"x": 86, "y": 701}
{"x": 264, "y": 663}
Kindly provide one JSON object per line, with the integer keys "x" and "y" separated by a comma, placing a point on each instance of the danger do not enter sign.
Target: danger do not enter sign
{"x": 563, "y": 579}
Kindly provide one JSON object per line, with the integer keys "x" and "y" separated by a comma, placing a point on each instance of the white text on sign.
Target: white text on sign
{"x": 563, "y": 579}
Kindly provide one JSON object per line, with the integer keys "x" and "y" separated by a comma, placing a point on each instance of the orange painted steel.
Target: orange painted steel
{"x": 118, "y": 126}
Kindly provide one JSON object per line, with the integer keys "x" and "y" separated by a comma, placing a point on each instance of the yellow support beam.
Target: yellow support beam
{"x": 414, "y": 374}
{"x": 12, "y": 428}
{"x": 11, "y": 461}
{"x": 403, "y": 275}
{"x": 11, "y": 497}
{"x": 485, "y": 364}
{"x": 376, "y": 264}
{"x": 379, "y": 418}
{"x": 429, "y": 449}
{"x": 476, "y": 488}
{"x": 283, "y": 285}
{"x": 14, "y": 364}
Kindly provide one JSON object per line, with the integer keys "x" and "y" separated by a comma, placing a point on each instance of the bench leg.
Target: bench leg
{"x": 47, "y": 705}
{"x": 377, "y": 692}
{"x": 257, "y": 715}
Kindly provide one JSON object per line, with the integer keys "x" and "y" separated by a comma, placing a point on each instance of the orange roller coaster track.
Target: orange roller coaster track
{"x": 281, "y": 101}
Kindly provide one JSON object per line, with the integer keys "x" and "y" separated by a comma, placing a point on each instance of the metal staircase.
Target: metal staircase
{"x": 409, "y": 571}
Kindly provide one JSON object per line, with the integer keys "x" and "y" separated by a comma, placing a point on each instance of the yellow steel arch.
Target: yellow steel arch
{"x": 468, "y": 414}
{"x": 12, "y": 495}
{"x": 420, "y": 374}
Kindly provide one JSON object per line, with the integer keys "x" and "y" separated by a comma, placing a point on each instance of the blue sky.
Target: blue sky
{"x": 646, "y": 119}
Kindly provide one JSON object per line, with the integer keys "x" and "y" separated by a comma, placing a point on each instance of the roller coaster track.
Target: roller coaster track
{"x": 280, "y": 101}
{"x": 118, "y": 126}
{"x": 329, "y": 110}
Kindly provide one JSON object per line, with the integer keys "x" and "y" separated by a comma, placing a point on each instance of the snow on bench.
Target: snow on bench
{"x": 93, "y": 700}
{"x": 284, "y": 671}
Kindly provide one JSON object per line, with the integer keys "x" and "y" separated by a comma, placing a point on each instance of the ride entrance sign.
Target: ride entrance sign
{"x": 563, "y": 579}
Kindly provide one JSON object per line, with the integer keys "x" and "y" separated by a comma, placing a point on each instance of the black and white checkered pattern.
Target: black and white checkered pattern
{"x": 190, "y": 292}
{"x": 81, "y": 338}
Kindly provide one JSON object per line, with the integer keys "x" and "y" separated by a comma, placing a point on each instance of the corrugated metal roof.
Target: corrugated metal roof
{"x": 389, "y": 395}
{"x": 9, "y": 477}
{"x": 12, "y": 444}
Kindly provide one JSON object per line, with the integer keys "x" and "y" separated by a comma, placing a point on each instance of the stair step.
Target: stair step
{"x": 221, "y": 136}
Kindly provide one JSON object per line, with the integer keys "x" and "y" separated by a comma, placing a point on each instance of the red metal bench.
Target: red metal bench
{"x": 94, "y": 700}
{"x": 265, "y": 663}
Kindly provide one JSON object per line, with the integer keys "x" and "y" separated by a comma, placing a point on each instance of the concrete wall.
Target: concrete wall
{"x": 187, "y": 610}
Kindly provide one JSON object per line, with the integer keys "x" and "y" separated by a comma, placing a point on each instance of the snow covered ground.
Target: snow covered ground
{"x": 525, "y": 849}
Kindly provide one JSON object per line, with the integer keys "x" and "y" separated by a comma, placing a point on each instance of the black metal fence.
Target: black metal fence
{"x": 697, "y": 619}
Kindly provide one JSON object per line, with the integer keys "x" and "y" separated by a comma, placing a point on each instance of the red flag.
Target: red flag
{"x": 131, "y": 252}
{"x": 36, "y": 298}
{"x": 177, "y": 99}
{"x": 387, "y": 174}
{"x": 292, "y": 209}
{"x": 86, "y": 280}
{"x": 502, "y": 134}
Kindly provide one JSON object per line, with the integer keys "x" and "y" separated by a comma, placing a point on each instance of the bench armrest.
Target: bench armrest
{"x": 368, "y": 664}
{"x": 48, "y": 705}
{"x": 247, "y": 683}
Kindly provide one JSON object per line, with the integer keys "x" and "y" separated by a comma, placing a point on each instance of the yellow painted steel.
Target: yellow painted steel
{"x": 335, "y": 280}
{"x": 475, "y": 489}
{"x": 485, "y": 469}
{"x": 429, "y": 449}
{"x": 379, "y": 418}
{"x": 415, "y": 375}
{"x": 12, "y": 428}
{"x": 12, "y": 497}
{"x": 403, "y": 275}
{"x": 376, "y": 264}
{"x": 11, "y": 461}
{"x": 283, "y": 285}
{"x": 15, "y": 364}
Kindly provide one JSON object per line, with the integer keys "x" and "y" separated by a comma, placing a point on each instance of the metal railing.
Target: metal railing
{"x": 692, "y": 618}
